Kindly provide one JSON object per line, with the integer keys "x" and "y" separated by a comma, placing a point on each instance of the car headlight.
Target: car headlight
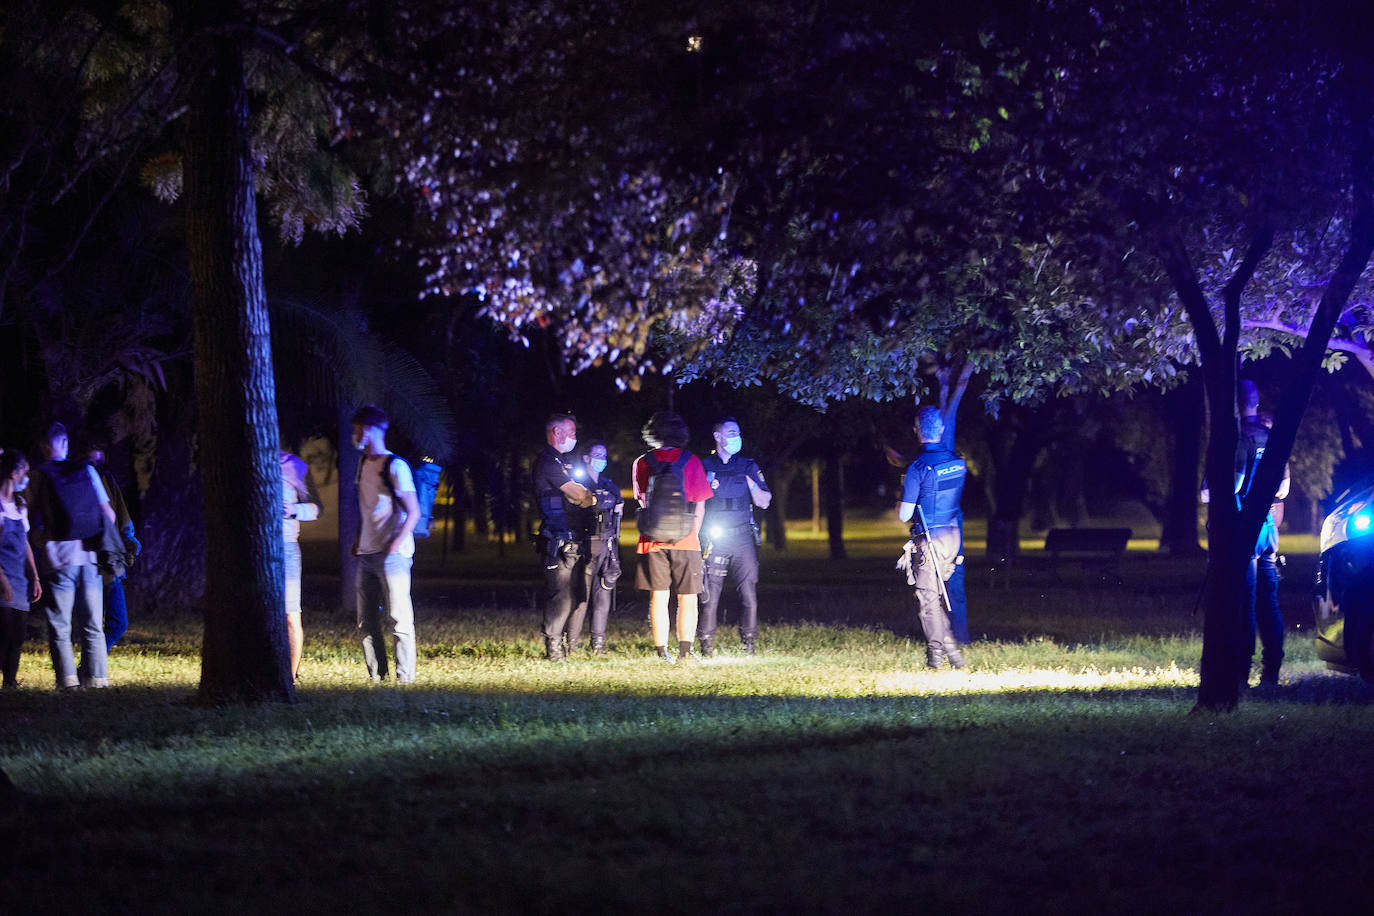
{"x": 1354, "y": 519}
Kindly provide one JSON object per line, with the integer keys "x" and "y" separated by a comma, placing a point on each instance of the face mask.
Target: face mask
{"x": 598, "y": 465}
{"x": 733, "y": 445}
{"x": 358, "y": 443}
{"x": 568, "y": 445}
{"x": 22, "y": 484}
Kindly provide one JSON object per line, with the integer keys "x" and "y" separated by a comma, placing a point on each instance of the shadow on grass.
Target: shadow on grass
{"x": 563, "y": 801}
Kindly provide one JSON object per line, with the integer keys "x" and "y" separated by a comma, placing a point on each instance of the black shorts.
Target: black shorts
{"x": 678, "y": 571}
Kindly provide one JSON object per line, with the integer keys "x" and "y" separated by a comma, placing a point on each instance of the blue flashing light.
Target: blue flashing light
{"x": 1361, "y": 523}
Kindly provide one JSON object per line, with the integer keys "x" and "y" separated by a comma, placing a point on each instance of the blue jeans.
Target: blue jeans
{"x": 1265, "y": 618}
{"x": 116, "y": 613}
{"x": 291, "y": 561}
{"x": 75, "y": 601}
{"x": 384, "y": 591}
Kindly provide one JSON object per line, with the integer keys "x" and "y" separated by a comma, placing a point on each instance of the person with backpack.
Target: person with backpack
{"x": 731, "y": 537}
{"x": 671, "y": 487}
{"x": 384, "y": 546}
{"x": 300, "y": 503}
{"x": 19, "y": 585}
{"x": 116, "y": 566}
{"x": 69, "y": 517}
{"x": 562, "y": 538}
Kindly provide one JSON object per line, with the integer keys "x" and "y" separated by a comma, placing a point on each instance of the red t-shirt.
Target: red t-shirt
{"x": 695, "y": 487}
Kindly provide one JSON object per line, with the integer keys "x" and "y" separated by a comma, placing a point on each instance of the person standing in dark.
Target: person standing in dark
{"x": 116, "y": 604}
{"x": 730, "y": 536}
{"x": 931, "y": 492}
{"x": 69, "y": 510}
{"x": 19, "y": 585}
{"x": 562, "y": 541}
{"x": 602, "y": 526}
{"x": 1262, "y": 580}
{"x": 671, "y": 487}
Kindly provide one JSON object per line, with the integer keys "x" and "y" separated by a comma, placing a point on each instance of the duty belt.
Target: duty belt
{"x": 726, "y": 533}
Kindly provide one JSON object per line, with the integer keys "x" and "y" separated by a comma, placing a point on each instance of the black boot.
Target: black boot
{"x": 553, "y": 649}
{"x": 708, "y": 646}
{"x": 661, "y": 652}
{"x": 956, "y": 658}
{"x": 935, "y": 655}
{"x": 747, "y": 643}
{"x": 598, "y": 645}
{"x": 684, "y": 650}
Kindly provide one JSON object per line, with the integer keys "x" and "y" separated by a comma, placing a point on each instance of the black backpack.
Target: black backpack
{"x": 665, "y": 517}
{"x": 72, "y": 505}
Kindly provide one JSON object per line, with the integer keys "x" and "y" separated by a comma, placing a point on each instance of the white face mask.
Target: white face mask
{"x": 568, "y": 445}
{"x": 22, "y": 484}
{"x": 598, "y": 465}
{"x": 733, "y": 445}
{"x": 358, "y": 442}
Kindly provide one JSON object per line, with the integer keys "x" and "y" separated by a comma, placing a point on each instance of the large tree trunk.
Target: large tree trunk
{"x": 245, "y": 654}
{"x": 834, "y": 503}
{"x": 1183, "y": 407}
{"x": 1013, "y": 458}
{"x": 777, "y": 509}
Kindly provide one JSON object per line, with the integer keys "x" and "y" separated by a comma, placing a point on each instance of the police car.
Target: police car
{"x": 1343, "y": 600}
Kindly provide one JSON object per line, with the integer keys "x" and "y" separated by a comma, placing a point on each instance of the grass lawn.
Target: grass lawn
{"x": 1059, "y": 772}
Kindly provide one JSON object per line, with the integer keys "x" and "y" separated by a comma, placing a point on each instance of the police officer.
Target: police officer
{"x": 1262, "y": 579}
{"x": 730, "y": 536}
{"x": 601, "y": 524}
{"x": 561, "y": 545}
{"x": 931, "y": 491}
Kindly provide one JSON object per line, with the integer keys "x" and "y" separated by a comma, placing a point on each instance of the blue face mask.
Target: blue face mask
{"x": 734, "y": 444}
{"x": 598, "y": 465}
{"x": 22, "y": 485}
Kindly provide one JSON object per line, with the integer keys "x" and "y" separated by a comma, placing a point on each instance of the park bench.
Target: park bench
{"x": 1097, "y": 549}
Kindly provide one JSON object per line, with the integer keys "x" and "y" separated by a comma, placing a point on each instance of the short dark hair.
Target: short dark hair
{"x": 371, "y": 415}
{"x": 589, "y": 445}
{"x": 57, "y": 429}
{"x": 556, "y": 418}
{"x": 931, "y": 424}
{"x": 1249, "y": 394}
{"x": 666, "y": 429}
{"x": 722, "y": 421}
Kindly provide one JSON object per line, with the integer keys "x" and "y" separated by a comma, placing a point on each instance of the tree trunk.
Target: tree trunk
{"x": 834, "y": 503}
{"x": 245, "y": 655}
{"x": 815, "y": 497}
{"x": 1183, "y": 407}
{"x": 350, "y": 516}
{"x": 777, "y": 509}
{"x": 1013, "y": 459}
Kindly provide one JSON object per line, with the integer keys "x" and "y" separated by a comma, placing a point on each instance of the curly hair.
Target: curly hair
{"x": 666, "y": 429}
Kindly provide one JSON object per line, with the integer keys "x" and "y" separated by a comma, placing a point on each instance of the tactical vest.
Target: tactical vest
{"x": 554, "y": 508}
{"x": 601, "y": 517}
{"x": 949, "y": 472}
{"x": 730, "y": 506}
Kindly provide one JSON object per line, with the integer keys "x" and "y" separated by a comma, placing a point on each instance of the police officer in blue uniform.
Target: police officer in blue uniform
{"x": 1262, "y": 579}
{"x": 730, "y": 536}
{"x": 601, "y": 526}
{"x": 931, "y": 491}
{"x": 561, "y": 542}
